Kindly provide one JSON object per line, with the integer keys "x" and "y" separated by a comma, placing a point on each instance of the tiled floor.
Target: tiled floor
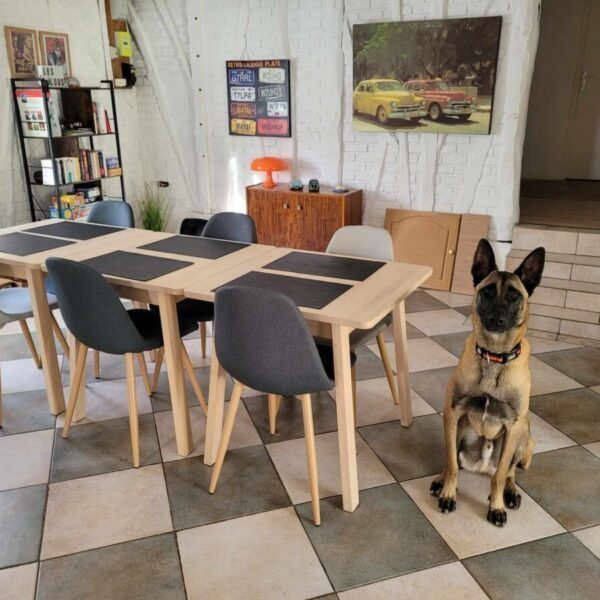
{"x": 76, "y": 521}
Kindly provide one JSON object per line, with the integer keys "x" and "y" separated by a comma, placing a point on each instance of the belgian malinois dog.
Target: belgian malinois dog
{"x": 486, "y": 425}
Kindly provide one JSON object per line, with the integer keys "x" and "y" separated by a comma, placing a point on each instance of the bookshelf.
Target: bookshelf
{"x": 69, "y": 136}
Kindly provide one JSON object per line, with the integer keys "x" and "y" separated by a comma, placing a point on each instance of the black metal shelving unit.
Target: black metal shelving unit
{"x": 34, "y": 84}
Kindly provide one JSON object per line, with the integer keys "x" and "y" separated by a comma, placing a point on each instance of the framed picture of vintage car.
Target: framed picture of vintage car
{"x": 22, "y": 51}
{"x": 54, "y": 50}
{"x": 425, "y": 76}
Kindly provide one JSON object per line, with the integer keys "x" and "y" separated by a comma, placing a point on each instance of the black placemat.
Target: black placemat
{"x": 74, "y": 231}
{"x": 135, "y": 266}
{"x": 24, "y": 244}
{"x": 190, "y": 245}
{"x": 304, "y": 292}
{"x": 325, "y": 265}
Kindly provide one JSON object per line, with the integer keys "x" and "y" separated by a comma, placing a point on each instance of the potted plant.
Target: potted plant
{"x": 154, "y": 210}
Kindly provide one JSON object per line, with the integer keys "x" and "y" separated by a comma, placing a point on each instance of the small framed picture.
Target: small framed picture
{"x": 54, "y": 50}
{"x": 22, "y": 50}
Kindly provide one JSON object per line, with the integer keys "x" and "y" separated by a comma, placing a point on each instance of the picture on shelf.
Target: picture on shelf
{"x": 54, "y": 50}
{"x": 22, "y": 51}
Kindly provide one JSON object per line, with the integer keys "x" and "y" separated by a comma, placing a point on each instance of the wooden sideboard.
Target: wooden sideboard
{"x": 301, "y": 219}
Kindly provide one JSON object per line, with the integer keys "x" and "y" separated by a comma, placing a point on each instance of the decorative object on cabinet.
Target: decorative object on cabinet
{"x": 339, "y": 188}
{"x": 296, "y": 185}
{"x": 54, "y": 50}
{"x": 268, "y": 164}
{"x": 22, "y": 51}
{"x": 299, "y": 219}
{"x": 313, "y": 185}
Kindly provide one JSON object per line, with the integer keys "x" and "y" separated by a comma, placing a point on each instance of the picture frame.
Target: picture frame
{"x": 54, "y": 50}
{"x": 22, "y": 51}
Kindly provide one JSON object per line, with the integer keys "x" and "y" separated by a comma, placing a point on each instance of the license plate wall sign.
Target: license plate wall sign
{"x": 258, "y": 97}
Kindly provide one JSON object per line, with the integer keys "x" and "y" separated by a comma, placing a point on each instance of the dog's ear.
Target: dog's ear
{"x": 484, "y": 262}
{"x": 530, "y": 270}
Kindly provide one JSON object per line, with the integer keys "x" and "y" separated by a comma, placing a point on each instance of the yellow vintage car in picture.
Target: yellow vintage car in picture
{"x": 387, "y": 99}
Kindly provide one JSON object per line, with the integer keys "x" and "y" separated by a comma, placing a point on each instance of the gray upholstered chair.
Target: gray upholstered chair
{"x": 96, "y": 317}
{"x": 263, "y": 342}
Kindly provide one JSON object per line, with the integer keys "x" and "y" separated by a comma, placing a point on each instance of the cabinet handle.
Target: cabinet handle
{"x": 298, "y": 207}
{"x": 286, "y": 205}
{"x": 450, "y": 251}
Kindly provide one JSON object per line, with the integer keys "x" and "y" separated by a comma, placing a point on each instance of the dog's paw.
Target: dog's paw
{"x": 436, "y": 487}
{"x": 497, "y": 517}
{"x": 447, "y": 504}
{"x": 512, "y": 498}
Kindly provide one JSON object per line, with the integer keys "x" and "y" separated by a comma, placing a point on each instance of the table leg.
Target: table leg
{"x": 401, "y": 346}
{"x": 174, "y": 360}
{"x": 47, "y": 347}
{"x": 216, "y": 403}
{"x": 81, "y": 408}
{"x": 345, "y": 415}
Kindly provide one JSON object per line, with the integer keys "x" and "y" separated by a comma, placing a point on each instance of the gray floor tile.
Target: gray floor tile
{"x": 464, "y": 310}
{"x": 14, "y": 347}
{"x": 565, "y": 482}
{"x": 408, "y": 452}
{"x": 248, "y": 484}
{"x": 368, "y": 365}
{"x": 575, "y": 412}
{"x": 289, "y": 419}
{"x": 431, "y": 385}
{"x": 420, "y": 300}
{"x": 453, "y": 342}
{"x": 102, "y": 447}
{"x": 21, "y": 519}
{"x": 581, "y": 364}
{"x": 553, "y": 568}
{"x": 25, "y": 411}
{"x": 384, "y": 537}
{"x": 147, "y": 568}
{"x": 411, "y": 333}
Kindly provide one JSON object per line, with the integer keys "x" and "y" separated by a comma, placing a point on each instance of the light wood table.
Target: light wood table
{"x": 361, "y": 307}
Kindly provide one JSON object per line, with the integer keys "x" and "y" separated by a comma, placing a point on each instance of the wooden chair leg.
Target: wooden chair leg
{"x": 96, "y": 364}
{"x": 274, "y": 404}
{"x": 75, "y": 385}
{"x": 144, "y": 371}
{"x": 226, "y": 435}
{"x": 187, "y": 365}
{"x": 134, "y": 427}
{"x": 157, "y": 365}
{"x": 311, "y": 456}
{"x": 389, "y": 373}
{"x": 203, "y": 338}
{"x": 59, "y": 334}
{"x": 30, "y": 343}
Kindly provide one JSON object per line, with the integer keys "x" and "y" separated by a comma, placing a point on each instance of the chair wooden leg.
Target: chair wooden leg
{"x": 133, "y": 411}
{"x": 311, "y": 456}
{"x": 75, "y": 385}
{"x": 203, "y": 338}
{"x": 157, "y": 365}
{"x": 30, "y": 343}
{"x": 96, "y": 364}
{"x": 389, "y": 373}
{"x": 59, "y": 334}
{"x": 274, "y": 404}
{"x": 144, "y": 371}
{"x": 226, "y": 435}
{"x": 187, "y": 365}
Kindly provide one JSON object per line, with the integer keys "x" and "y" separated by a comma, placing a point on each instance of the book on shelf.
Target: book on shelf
{"x": 112, "y": 167}
{"x": 100, "y": 119}
{"x": 90, "y": 165}
{"x": 32, "y": 112}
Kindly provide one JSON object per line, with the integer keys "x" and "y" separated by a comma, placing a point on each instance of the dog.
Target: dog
{"x": 486, "y": 425}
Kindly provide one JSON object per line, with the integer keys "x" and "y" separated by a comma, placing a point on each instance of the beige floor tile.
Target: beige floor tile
{"x": 596, "y": 389}
{"x": 25, "y": 458}
{"x": 244, "y": 433}
{"x": 290, "y": 461}
{"x": 21, "y": 376}
{"x": 375, "y": 403}
{"x": 539, "y": 345}
{"x": 107, "y": 399}
{"x": 446, "y": 581}
{"x": 423, "y": 355}
{"x": 591, "y": 538}
{"x": 467, "y": 530}
{"x": 450, "y": 298}
{"x": 195, "y": 351}
{"x": 547, "y": 380}
{"x": 439, "y": 322}
{"x": 546, "y": 436}
{"x": 18, "y": 583}
{"x": 105, "y": 509}
{"x": 594, "y": 448}
{"x": 229, "y": 555}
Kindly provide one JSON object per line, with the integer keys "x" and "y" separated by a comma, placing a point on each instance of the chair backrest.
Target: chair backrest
{"x": 192, "y": 226}
{"x": 111, "y": 212}
{"x": 263, "y": 342}
{"x": 91, "y": 308}
{"x": 362, "y": 241}
{"x": 236, "y": 227}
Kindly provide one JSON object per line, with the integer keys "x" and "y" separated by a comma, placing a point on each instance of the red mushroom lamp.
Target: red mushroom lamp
{"x": 268, "y": 164}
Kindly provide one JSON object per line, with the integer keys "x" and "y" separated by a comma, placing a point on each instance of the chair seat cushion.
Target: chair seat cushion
{"x": 361, "y": 336}
{"x": 326, "y": 353}
{"x": 148, "y": 324}
{"x": 17, "y": 301}
{"x": 196, "y": 310}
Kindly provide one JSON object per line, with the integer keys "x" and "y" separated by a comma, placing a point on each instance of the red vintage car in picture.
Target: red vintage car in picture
{"x": 440, "y": 100}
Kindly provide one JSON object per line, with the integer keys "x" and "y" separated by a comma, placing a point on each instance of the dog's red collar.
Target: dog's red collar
{"x": 500, "y": 359}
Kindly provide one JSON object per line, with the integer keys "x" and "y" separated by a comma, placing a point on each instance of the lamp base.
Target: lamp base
{"x": 268, "y": 182}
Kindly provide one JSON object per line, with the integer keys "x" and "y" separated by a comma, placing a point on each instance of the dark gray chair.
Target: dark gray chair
{"x": 263, "y": 342}
{"x": 192, "y": 226}
{"x": 94, "y": 314}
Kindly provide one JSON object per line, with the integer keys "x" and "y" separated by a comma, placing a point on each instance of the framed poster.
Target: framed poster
{"x": 425, "y": 76}
{"x": 258, "y": 97}
{"x": 54, "y": 50}
{"x": 22, "y": 51}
